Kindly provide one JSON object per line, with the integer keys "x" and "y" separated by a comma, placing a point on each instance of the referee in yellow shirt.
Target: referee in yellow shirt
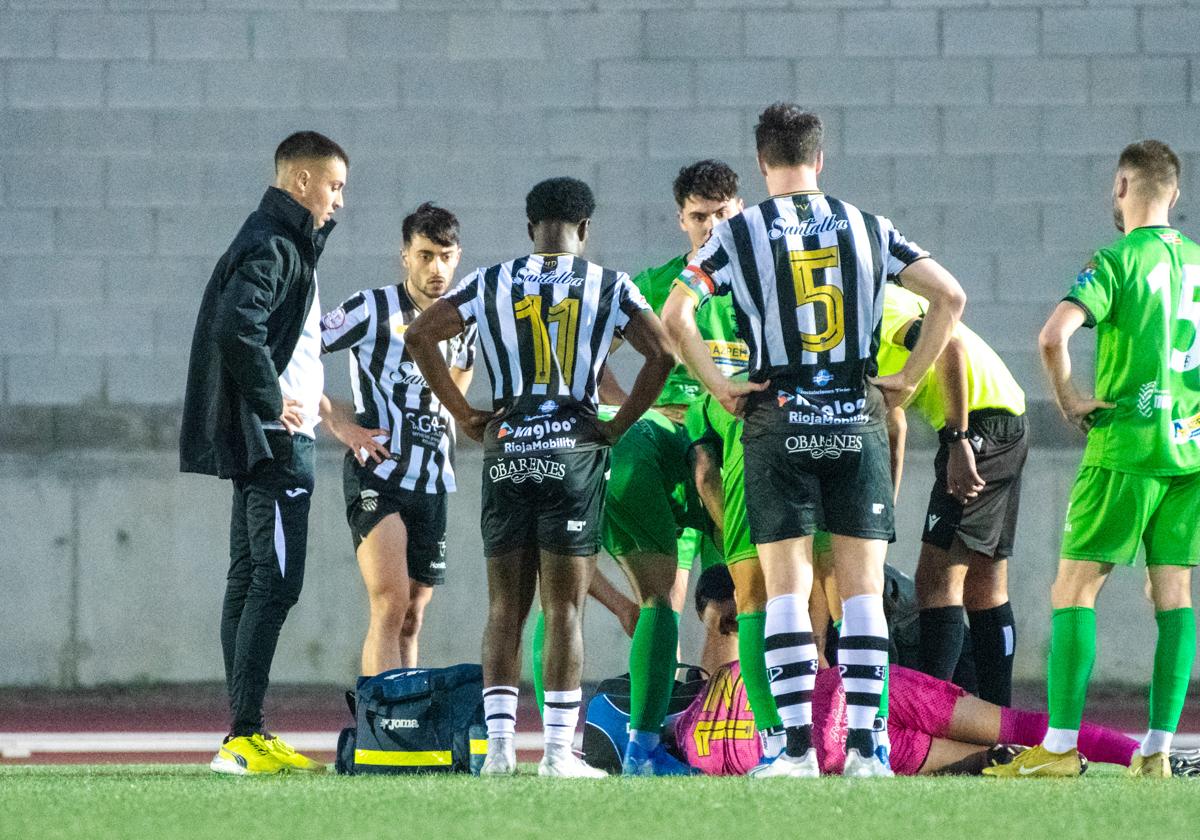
{"x": 978, "y": 410}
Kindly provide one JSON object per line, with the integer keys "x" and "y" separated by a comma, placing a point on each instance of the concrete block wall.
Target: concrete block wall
{"x": 135, "y": 135}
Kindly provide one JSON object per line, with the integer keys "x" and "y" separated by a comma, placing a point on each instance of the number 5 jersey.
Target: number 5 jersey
{"x": 807, "y": 274}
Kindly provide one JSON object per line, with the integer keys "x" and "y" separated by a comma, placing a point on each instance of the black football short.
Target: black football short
{"x": 817, "y": 477}
{"x": 553, "y": 502}
{"x": 988, "y": 524}
{"x": 369, "y": 499}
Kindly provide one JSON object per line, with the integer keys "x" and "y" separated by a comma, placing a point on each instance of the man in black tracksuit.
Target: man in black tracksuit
{"x": 251, "y": 407}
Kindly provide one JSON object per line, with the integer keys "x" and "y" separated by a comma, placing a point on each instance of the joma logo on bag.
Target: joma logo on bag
{"x": 399, "y": 723}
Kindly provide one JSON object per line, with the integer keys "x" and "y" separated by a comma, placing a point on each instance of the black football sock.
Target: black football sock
{"x": 942, "y": 631}
{"x": 994, "y": 639}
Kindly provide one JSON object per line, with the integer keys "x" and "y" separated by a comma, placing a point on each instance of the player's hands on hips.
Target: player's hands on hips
{"x": 362, "y": 442}
{"x": 962, "y": 480}
{"x": 292, "y": 417}
{"x": 733, "y": 395}
{"x": 474, "y": 423}
{"x": 1081, "y": 412}
{"x": 896, "y": 389}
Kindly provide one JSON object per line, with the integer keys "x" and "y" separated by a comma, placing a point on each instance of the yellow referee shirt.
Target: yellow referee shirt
{"x": 989, "y": 383}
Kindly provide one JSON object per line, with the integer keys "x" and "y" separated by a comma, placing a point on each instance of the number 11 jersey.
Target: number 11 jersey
{"x": 807, "y": 274}
{"x": 546, "y": 324}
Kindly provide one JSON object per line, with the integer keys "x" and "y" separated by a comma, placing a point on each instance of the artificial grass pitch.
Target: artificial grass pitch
{"x": 172, "y": 801}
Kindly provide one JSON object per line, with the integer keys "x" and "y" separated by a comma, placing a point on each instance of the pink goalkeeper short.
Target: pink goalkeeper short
{"x": 919, "y": 710}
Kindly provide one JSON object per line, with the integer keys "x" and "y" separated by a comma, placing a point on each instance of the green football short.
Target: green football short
{"x": 738, "y": 545}
{"x": 649, "y": 498}
{"x": 692, "y": 544}
{"x": 1112, "y": 512}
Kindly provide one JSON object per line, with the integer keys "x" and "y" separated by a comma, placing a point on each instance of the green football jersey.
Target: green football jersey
{"x": 717, "y": 325}
{"x": 1142, "y": 294}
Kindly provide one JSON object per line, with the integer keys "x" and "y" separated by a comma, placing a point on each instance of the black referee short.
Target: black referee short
{"x": 834, "y": 479}
{"x": 988, "y": 523}
{"x": 369, "y": 499}
{"x": 553, "y": 502}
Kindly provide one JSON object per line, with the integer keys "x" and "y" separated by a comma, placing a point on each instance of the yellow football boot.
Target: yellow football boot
{"x": 1157, "y": 766}
{"x": 285, "y": 755}
{"x": 247, "y": 755}
{"x": 1038, "y": 761}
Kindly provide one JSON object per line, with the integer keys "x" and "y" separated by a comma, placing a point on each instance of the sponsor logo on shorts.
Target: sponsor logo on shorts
{"x": 877, "y": 508}
{"x": 399, "y": 723}
{"x": 934, "y": 519}
{"x": 547, "y": 445}
{"x": 834, "y": 412}
{"x": 520, "y": 470}
{"x": 823, "y": 445}
{"x": 438, "y": 565}
{"x": 537, "y": 430}
{"x": 299, "y": 491}
{"x": 576, "y": 525}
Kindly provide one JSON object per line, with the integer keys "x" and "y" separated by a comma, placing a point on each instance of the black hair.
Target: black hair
{"x": 304, "y": 145}
{"x": 1155, "y": 161}
{"x": 715, "y": 584}
{"x": 560, "y": 200}
{"x": 709, "y": 179}
{"x": 436, "y": 224}
{"x": 787, "y": 135}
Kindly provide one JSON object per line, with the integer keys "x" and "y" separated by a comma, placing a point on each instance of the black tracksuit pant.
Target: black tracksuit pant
{"x": 268, "y": 536}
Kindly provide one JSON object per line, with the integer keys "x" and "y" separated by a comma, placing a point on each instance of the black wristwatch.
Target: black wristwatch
{"x": 948, "y": 435}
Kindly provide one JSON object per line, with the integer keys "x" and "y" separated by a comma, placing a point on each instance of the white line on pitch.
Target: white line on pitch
{"x": 24, "y": 744}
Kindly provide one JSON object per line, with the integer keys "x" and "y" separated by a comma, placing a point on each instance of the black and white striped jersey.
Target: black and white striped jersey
{"x": 390, "y": 392}
{"x": 807, "y": 274}
{"x": 546, "y": 323}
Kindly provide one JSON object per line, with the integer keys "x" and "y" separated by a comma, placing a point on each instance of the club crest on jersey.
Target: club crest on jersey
{"x": 334, "y": 319}
{"x": 368, "y": 500}
{"x": 808, "y": 227}
{"x": 1087, "y": 275}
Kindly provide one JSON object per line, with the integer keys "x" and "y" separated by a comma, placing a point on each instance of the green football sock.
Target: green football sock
{"x": 1173, "y": 657}
{"x": 1072, "y": 654}
{"x": 652, "y": 667}
{"x": 539, "y": 643}
{"x": 752, "y": 656}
